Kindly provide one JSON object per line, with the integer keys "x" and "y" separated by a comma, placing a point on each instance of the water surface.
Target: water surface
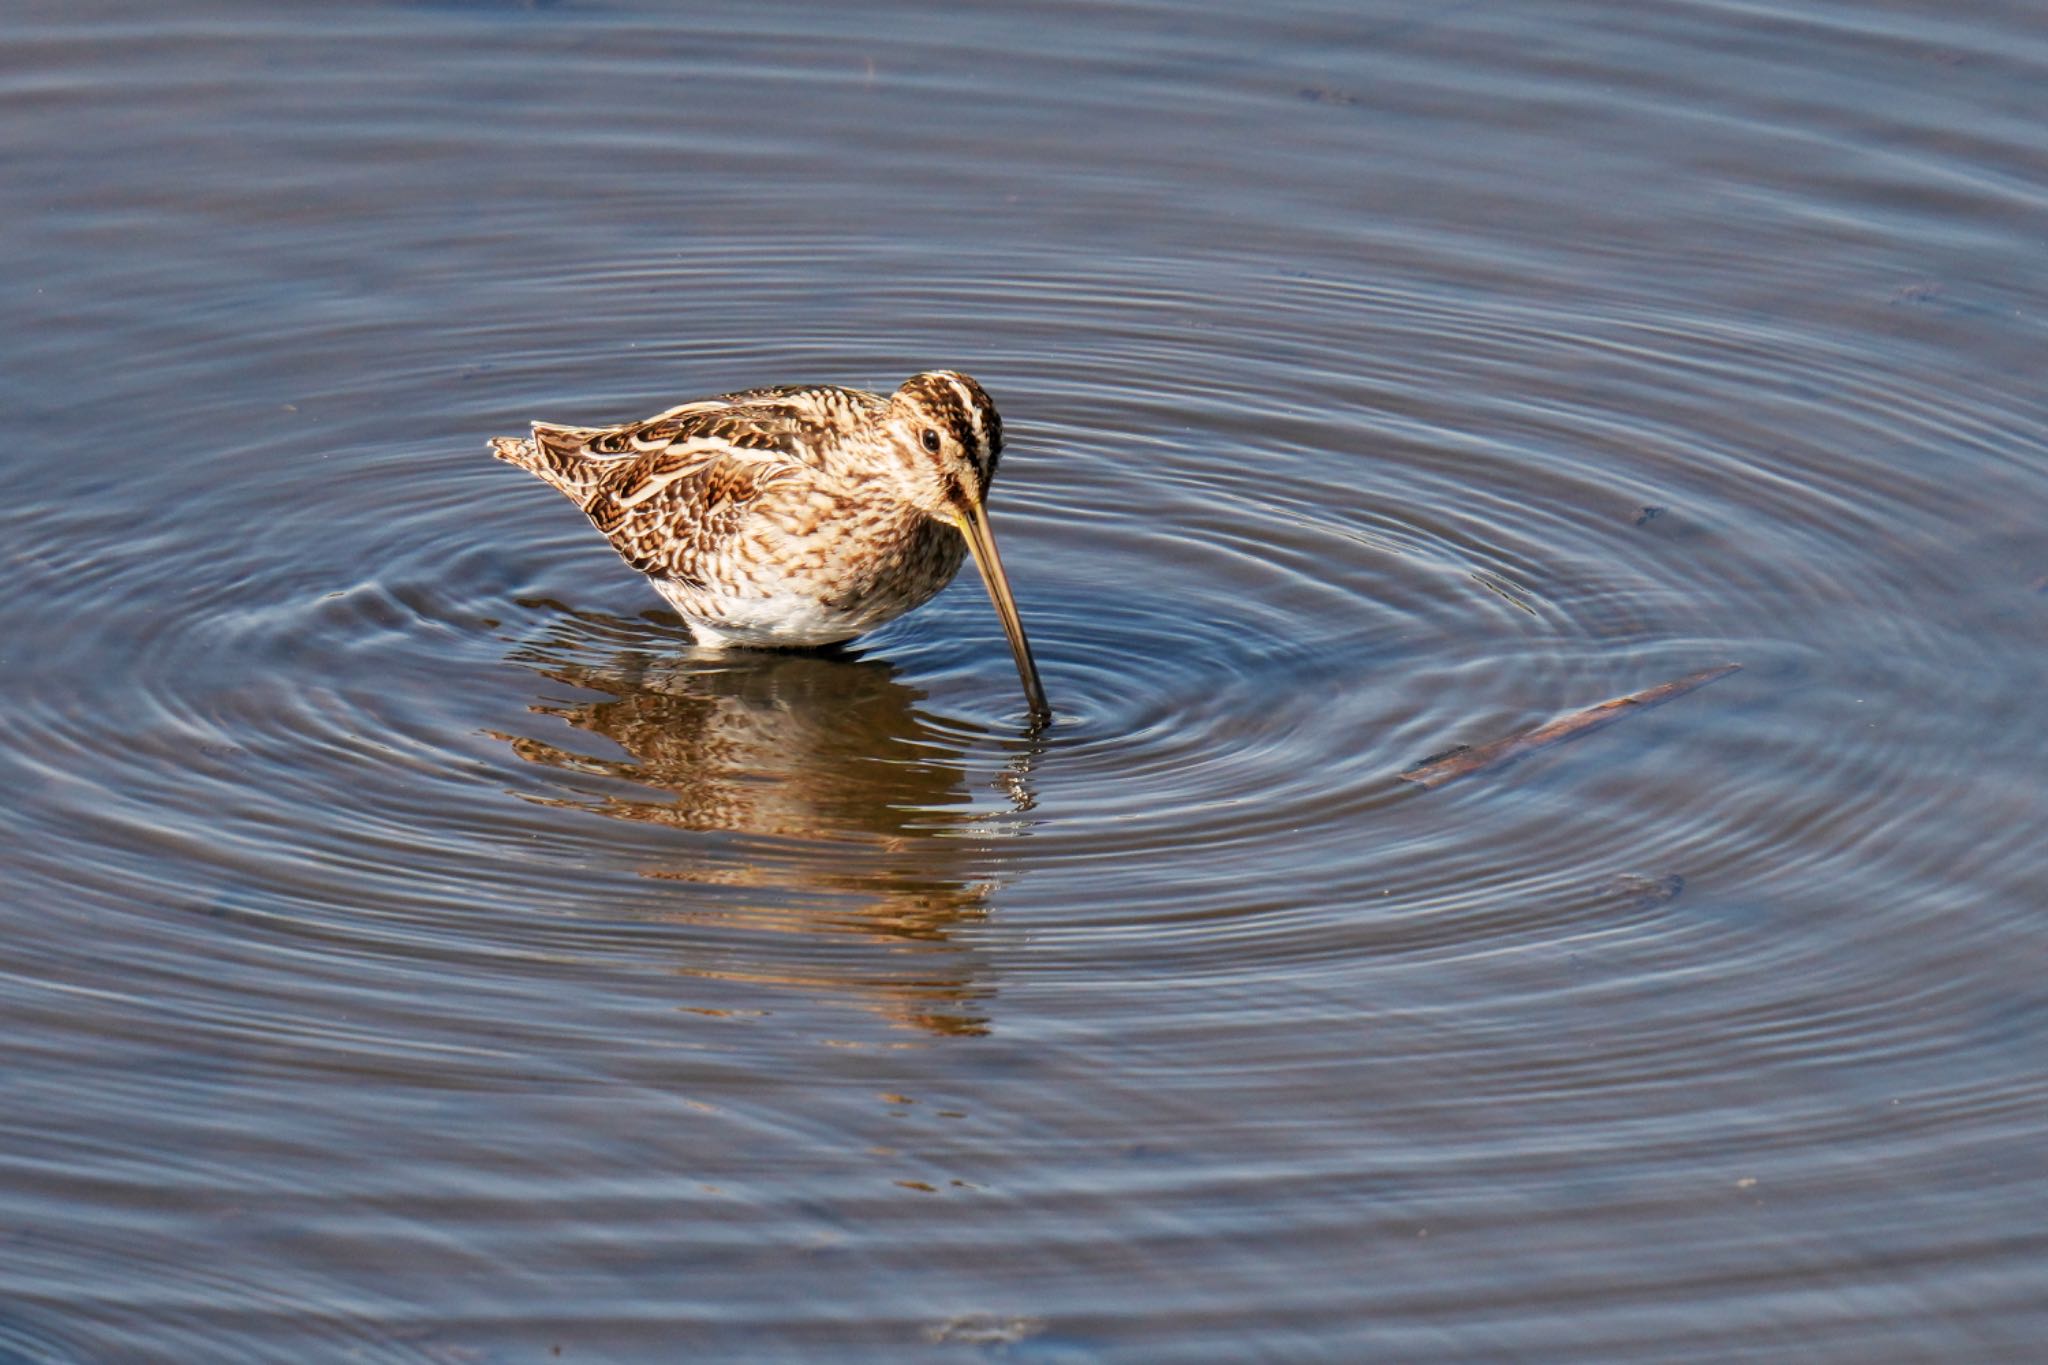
{"x": 417, "y": 952}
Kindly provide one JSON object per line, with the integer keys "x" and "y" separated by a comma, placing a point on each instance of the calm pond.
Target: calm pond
{"x": 416, "y": 952}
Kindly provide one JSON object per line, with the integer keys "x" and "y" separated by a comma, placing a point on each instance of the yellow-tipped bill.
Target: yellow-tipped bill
{"x": 981, "y": 541}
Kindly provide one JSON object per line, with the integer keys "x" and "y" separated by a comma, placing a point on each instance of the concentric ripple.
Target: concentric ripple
{"x": 417, "y": 949}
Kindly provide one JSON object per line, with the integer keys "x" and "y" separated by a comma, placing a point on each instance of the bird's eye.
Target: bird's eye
{"x": 931, "y": 440}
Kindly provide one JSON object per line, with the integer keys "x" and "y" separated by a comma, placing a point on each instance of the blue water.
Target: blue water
{"x": 416, "y": 951}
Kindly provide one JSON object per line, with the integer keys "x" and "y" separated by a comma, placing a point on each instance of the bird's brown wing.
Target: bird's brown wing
{"x": 671, "y": 510}
{"x": 800, "y": 422}
{"x": 675, "y": 490}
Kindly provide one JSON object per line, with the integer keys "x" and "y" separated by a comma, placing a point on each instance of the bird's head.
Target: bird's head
{"x": 949, "y": 442}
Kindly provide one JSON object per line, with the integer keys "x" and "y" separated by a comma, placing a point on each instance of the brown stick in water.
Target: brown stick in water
{"x": 1468, "y": 758}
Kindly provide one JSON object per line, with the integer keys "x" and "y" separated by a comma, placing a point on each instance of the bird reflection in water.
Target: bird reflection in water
{"x": 859, "y": 837}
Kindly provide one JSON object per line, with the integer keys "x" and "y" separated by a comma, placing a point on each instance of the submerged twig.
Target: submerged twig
{"x": 1470, "y": 758}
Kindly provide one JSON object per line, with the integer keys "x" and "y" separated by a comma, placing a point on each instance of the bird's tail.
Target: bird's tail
{"x": 557, "y": 456}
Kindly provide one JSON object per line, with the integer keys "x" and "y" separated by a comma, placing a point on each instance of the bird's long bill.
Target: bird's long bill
{"x": 973, "y": 522}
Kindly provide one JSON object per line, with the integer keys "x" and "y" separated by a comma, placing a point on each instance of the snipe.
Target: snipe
{"x": 796, "y": 516}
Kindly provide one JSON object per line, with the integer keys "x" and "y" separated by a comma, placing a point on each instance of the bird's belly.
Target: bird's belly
{"x": 784, "y": 620}
{"x": 830, "y": 593}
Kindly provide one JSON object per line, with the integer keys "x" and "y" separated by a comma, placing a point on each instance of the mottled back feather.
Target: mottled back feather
{"x": 793, "y": 515}
{"x": 711, "y": 458}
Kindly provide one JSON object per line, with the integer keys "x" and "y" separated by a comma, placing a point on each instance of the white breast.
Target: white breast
{"x": 778, "y": 620}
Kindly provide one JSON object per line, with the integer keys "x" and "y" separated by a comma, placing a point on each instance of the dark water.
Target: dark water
{"x": 413, "y": 952}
